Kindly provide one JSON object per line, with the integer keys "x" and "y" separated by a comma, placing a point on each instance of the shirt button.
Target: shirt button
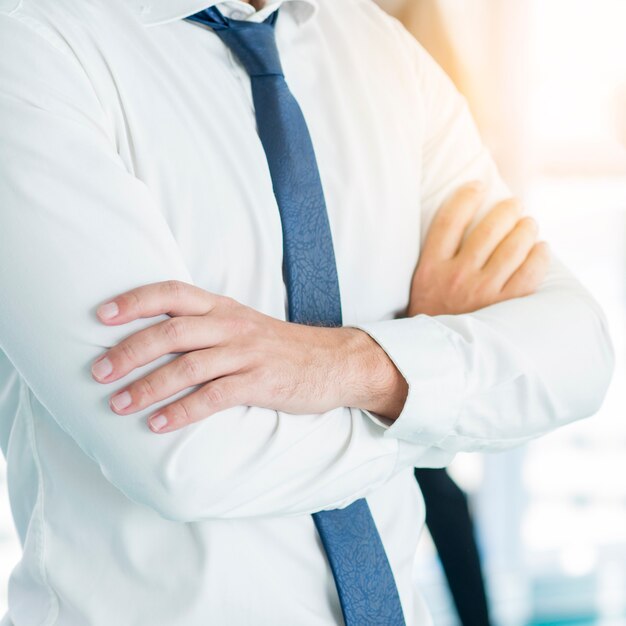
{"x": 238, "y": 15}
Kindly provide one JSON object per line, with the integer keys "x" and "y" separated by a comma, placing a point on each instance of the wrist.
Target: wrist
{"x": 374, "y": 382}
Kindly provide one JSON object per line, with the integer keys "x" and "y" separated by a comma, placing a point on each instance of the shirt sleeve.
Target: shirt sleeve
{"x": 78, "y": 227}
{"x": 501, "y": 375}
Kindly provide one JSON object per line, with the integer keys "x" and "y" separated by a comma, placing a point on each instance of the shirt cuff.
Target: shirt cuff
{"x": 422, "y": 350}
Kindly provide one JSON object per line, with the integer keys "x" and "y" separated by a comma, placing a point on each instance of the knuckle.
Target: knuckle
{"x": 526, "y": 273}
{"x": 473, "y": 257}
{"x": 286, "y": 389}
{"x": 509, "y": 210}
{"x": 471, "y": 189}
{"x": 130, "y": 302}
{"x": 128, "y": 352}
{"x": 529, "y": 224}
{"x": 543, "y": 250}
{"x": 143, "y": 390}
{"x": 230, "y": 326}
{"x": 226, "y": 302}
{"x": 236, "y": 324}
{"x": 510, "y": 205}
{"x": 489, "y": 229}
{"x": 173, "y": 288}
{"x": 191, "y": 367}
{"x": 458, "y": 278}
{"x": 173, "y": 329}
{"x": 527, "y": 281}
{"x": 446, "y": 220}
{"x": 465, "y": 195}
{"x": 180, "y": 413}
{"x": 213, "y": 395}
{"x": 244, "y": 325}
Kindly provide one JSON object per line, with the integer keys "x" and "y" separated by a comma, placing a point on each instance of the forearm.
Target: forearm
{"x": 501, "y": 375}
{"x": 78, "y": 223}
{"x": 374, "y": 383}
{"x": 508, "y": 372}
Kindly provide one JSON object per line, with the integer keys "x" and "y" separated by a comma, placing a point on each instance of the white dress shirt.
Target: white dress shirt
{"x": 128, "y": 155}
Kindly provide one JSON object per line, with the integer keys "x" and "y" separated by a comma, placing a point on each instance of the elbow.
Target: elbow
{"x": 603, "y": 370}
{"x": 187, "y": 476}
{"x": 172, "y": 505}
{"x": 193, "y": 480}
{"x": 170, "y": 501}
{"x": 173, "y": 494}
{"x": 596, "y": 368}
{"x": 189, "y": 498}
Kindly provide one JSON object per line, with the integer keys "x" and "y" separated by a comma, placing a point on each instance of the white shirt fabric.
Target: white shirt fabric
{"x": 128, "y": 155}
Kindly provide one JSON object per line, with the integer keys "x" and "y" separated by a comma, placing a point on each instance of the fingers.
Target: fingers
{"x": 448, "y": 226}
{"x": 511, "y": 252}
{"x": 489, "y": 232}
{"x": 215, "y": 396}
{"x": 176, "y": 334}
{"x": 173, "y": 297}
{"x": 192, "y": 368}
{"x": 529, "y": 275}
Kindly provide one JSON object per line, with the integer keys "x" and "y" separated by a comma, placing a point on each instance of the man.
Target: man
{"x": 143, "y": 217}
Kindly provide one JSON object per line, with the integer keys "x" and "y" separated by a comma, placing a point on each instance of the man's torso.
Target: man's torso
{"x": 180, "y": 116}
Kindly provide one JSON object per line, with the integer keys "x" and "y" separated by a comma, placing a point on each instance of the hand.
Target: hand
{"x": 240, "y": 357}
{"x": 500, "y": 259}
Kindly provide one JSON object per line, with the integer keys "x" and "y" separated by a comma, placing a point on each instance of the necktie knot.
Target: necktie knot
{"x": 253, "y": 43}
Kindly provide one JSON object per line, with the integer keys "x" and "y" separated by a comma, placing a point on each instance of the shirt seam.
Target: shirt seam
{"x": 13, "y": 9}
{"x": 39, "y": 31}
{"x": 53, "y": 611}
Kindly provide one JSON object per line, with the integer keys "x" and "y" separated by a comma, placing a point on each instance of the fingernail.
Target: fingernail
{"x": 107, "y": 311}
{"x": 102, "y": 368}
{"x": 121, "y": 400}
{"x": 158, "y": 422}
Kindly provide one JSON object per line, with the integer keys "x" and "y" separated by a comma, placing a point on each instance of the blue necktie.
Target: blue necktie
{"x": 365, "y": 583}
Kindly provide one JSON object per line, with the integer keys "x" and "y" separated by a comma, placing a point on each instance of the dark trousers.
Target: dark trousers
{"x": 450, "y": 525}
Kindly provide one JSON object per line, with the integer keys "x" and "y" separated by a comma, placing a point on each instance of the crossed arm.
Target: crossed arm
{"x": 503, "y": 373}
{"x": 240, "y": 356}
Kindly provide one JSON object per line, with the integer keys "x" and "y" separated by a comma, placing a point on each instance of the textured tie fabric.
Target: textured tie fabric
{"x": 365, "y": 583}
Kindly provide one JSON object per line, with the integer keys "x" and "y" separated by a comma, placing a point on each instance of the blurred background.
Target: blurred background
{"x": 546, "y": 81}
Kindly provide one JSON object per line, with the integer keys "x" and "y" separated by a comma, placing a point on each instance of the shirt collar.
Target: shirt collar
{"x": 153, "y": 12}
